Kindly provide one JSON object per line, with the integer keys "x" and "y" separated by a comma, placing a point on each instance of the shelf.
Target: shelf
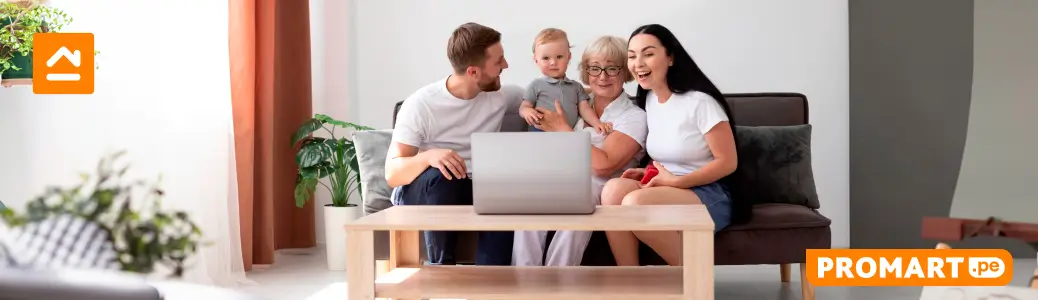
{"x": 956, "y": 229}
{"x": 542, "y": 283}
{"x": 13, "y": 82}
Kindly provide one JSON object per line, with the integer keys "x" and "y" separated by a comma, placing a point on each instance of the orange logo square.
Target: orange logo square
{"x": 63, "y": 63}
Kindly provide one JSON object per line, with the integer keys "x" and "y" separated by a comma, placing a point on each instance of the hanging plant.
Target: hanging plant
{"x": 19, "y": 21}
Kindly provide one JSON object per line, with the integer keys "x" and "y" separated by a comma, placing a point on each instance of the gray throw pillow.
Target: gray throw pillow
{"x": 775, "y": 165}
{"x": 372, "y": 146}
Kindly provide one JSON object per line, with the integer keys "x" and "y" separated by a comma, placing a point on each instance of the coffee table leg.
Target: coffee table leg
{"x": 360, "y": 264}
{"x": 403, "y": 249}
{"x": 697, "y": 258}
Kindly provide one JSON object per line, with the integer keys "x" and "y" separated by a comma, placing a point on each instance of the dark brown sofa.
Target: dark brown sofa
{"x": 778, "y": 234}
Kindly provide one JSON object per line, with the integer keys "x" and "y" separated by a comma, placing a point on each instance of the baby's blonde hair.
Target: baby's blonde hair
{"x": 550, "y": 35}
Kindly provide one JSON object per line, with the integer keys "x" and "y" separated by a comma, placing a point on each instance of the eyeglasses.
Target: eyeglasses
{"x": 611, "y": 71}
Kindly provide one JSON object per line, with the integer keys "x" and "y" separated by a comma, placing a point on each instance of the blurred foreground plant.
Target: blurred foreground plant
{"x": 143, "y": 235}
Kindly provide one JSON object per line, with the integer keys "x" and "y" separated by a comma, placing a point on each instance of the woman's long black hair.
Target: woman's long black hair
{"x": 685, "y": 76}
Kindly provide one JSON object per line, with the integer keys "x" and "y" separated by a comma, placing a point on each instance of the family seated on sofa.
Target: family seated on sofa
{"x": 677, "y": 117}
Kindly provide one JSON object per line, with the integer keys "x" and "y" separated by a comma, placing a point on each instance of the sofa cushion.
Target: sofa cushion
{"x": 775, "y": 165}
{"x": 768, "y": 109}
{"x": 372, "y": 146}
{"x": 788, "y": 229}
{"x": 769, "y": 247}
{"x": 782, "y": 216}
{"x": 514, "y": 123}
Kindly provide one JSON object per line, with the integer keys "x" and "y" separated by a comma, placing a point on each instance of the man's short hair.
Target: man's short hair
{"x": 611, "y": 48}
{"x": 550, "y": 35}
{"x": 468, "y": 45}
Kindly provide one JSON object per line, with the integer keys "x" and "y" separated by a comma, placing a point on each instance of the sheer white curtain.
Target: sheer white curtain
{"x": 163, "y": 95}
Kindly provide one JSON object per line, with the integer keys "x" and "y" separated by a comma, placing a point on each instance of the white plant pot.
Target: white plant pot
{"x": 335, "y": 220}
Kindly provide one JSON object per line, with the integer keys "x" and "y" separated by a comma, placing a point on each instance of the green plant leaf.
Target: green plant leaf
{"x": 351, "y": 153}
{"x": 333, "y": 159}
{"x": 325, "y": 169}
{"x": 305, "y": 130}
{"x": 309, "y": 172}
{"x": 313, "y": 152}
{"x": 18, "y": 23}
{"x": 321, "y": 170}
{"x": 304, "y": 190}
{"x": 343, "y": 124}
{"x": 334, "y": 145}
{"x": 142, "y": 239}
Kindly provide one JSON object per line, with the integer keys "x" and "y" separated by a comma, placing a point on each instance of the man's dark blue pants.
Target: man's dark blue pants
{"x": 432, "y": 188}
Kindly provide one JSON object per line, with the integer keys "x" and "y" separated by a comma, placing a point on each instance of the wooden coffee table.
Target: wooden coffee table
{"x": 408, "y": 279}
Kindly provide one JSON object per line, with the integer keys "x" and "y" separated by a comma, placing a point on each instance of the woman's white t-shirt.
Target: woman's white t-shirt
{"x": 628, "y": 119}
{"x": 677, "y": 130}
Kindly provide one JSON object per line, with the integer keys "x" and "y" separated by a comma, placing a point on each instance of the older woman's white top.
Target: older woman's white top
{"x": 677, "y": 130}
{"x": 627, "y": 119}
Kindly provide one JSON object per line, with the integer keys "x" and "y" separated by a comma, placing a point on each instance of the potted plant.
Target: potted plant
{"x": 330, "y": 162}
{"x": 19, "y": 21}
{"x": 143, "y": 237}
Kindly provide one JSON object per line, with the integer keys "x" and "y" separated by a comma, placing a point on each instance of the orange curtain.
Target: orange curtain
{"x": 271, "y": 96}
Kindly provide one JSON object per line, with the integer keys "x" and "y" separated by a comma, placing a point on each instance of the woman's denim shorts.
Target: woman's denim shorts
{"x": 718, "y": 202}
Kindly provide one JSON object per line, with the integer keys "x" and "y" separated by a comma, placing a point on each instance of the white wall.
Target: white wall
{"x": 163, "y": 94}
{"x": 397, "y": 46}
{"x": 328, "y": 41}
{"x": 48, "y": 139}
{"x": 317, "y": 42}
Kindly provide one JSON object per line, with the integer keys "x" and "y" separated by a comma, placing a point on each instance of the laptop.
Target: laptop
{"x": 532, "y": 173}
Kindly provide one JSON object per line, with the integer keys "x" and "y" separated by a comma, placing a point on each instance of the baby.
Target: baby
{"x": 551, "y": 54}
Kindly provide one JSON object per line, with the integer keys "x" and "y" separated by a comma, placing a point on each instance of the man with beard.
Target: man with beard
{"x": 429, "y": 157}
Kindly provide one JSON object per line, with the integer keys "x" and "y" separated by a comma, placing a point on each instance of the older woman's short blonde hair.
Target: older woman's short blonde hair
{"x": 612, "y": 48}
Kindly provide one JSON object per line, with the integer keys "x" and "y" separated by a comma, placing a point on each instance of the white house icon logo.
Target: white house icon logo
{"x": 74, "y": 57}
{"x": 60, "y": 70}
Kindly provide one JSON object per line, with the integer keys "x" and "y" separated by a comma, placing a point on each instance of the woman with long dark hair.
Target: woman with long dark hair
{"x": 691, "y": 142}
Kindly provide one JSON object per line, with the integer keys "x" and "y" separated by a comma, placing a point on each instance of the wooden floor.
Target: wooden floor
{"x": 303, "y": 274}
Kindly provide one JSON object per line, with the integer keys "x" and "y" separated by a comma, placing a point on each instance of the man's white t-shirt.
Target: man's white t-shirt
{"x": 433, "y": 118}
{"x": 677, "y": 130}
{"x": 628, "y": 119}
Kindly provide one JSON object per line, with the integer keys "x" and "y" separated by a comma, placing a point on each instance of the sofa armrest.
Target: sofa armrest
{"x": 18, "y": 284}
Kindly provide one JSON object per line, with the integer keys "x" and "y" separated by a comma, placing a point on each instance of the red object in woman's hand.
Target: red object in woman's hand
{"x": 650, "y": 172}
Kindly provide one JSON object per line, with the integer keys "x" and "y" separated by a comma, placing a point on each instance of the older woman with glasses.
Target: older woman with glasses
{"x": 603, "y": 67}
